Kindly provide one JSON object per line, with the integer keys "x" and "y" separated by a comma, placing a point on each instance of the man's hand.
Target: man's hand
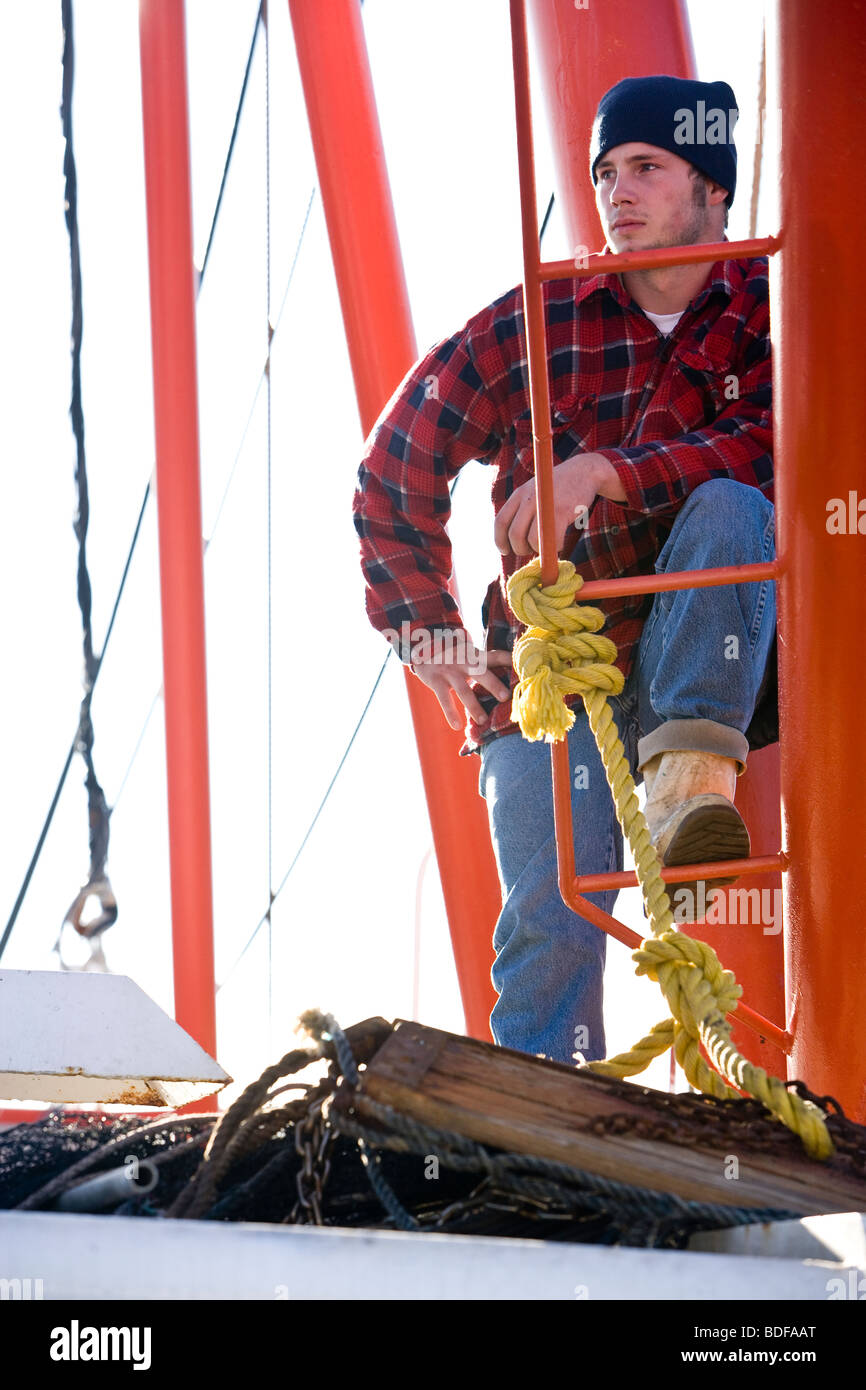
{"x": 576, "y": 484}
{"x": 448, "y": 677}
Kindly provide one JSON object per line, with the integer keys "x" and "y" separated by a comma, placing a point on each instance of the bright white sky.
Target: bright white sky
{"x": 344, "y": 928}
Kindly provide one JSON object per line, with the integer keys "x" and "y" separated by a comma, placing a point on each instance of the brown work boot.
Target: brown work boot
{"x": 692, "y": 819}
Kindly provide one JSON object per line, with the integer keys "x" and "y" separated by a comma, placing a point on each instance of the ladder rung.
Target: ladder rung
{"x": 681, "y": 579}
{"x": 585, "y": 265}
{"x": 683, "y": 873}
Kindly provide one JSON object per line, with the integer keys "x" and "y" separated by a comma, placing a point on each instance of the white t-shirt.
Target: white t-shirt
{"x": 665, "y": 323}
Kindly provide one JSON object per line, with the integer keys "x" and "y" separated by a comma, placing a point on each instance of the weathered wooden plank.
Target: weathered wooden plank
{"x": 526, "y": 1105}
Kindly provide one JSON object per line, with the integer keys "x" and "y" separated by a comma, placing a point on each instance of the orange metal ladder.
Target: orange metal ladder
{"x": 535, "y": 272}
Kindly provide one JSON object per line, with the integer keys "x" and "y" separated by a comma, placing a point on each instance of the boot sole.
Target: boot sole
{"x": 704, "y": 830}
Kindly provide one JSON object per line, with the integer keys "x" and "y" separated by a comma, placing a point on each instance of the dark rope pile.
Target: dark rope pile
{"x": 285, "y": 1153}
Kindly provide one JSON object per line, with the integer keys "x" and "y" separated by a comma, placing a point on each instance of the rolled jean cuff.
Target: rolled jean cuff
{"x": 694, "y": 735}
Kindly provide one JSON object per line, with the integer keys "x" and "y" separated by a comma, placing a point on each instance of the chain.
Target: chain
{"x": 488, "y": 1197}
{"x": 693, "y": 1119}
{"x": 848, "y": 1137}
{"x": 689, "y": 1131}
{"x": 313, "y": 1140}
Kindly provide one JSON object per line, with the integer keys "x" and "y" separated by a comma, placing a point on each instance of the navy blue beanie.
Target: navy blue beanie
{"x": 694, "y": 120}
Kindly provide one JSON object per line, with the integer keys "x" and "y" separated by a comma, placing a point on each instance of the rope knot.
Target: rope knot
{"x": 700, "y": 992}
{"x": 560, "y": 654}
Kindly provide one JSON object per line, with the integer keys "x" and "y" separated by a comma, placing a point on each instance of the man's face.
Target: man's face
{"x": 655, "y": 197}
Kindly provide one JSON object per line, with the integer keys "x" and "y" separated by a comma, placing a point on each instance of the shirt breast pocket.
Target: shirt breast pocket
{"x": 572, "y": 425}
{"x": 702, "y": 388}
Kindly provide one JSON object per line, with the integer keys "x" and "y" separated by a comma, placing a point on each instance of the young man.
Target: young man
{"x": 661, "y": 417}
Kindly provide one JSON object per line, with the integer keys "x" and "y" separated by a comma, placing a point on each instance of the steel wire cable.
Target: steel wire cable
{"x": 97, "y": 663}
{"x": 266, "y": 917}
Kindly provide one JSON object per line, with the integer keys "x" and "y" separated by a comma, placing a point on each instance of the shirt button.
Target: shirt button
{"x": 614, "y": 530}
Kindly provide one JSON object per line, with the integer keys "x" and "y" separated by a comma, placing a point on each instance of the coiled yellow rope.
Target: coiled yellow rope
{"x": 562, "y": 653}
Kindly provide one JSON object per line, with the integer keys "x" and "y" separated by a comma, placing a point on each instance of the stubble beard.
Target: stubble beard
{"x": 689, "y": 233}
{"x": 694, "y": 224}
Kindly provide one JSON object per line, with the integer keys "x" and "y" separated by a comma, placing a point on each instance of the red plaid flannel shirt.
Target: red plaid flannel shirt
{"x": 669, "y": 412}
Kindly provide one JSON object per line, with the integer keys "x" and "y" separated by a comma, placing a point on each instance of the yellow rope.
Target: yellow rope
{"x": 562, "y": 653}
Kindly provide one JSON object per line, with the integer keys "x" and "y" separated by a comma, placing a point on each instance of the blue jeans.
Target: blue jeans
{"x": 695, "y": 681}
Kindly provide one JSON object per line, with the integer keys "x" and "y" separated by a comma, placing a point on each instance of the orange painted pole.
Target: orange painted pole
{"x": 175, "y": 396}
{"x": 347, "y": 141}
{"x": 818, "y": 308}
{"x": 582, "y": 52}
{"x": 533, "y": 303}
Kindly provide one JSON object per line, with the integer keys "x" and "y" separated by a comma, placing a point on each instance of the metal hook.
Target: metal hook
{"x": 91, "y": 930}
{"x": 97, "y": 888}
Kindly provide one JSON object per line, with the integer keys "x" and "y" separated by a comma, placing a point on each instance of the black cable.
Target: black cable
{"x": 231, "y": 475}
{"x": 273, "y": 896}
{"x": 310, "y": 828}
{"x": 66, "y": 10}
{"x": 73, "y": 746}
{"x": 266, "y": 915}
{"x": 233, "y": 136}
{"x": 97, "y": 808}
{"x": 38, "y": 850}
{"x": 546, "y": 219}
{"x": 55, "y": 799}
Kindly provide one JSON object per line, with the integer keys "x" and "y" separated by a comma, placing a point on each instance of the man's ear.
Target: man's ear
{"x": 716, "y": 193}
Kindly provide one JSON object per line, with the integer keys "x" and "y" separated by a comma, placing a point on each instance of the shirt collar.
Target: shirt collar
{"x": 726, "y": 277}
